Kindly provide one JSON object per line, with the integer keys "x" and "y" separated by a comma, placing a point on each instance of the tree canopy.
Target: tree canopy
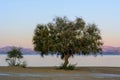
{"x": 65, "y": 37}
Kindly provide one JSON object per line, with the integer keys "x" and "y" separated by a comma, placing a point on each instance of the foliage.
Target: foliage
{"x": 14, "y": 56}
{"x": 67, "y": 67}
{"x": 24, "y": 64}
{"x": 18, "y": 64}
{"x": 67, "y": 38}
{"x": 71, "y": 67}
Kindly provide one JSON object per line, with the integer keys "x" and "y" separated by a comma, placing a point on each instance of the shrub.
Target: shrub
{"x": 67, "y": 67}
{"x": 62, "y": 66}
{"x": 18, "y": 64}
{"x": 14, "y": 56}
{"x": 71, "y": 67}
{"x": 24, "y": 64}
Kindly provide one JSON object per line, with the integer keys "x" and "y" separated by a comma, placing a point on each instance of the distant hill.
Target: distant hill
{"x": 25, "y": 51}
{"x": 107, "y": 50}
{"x": 111, "y": 49}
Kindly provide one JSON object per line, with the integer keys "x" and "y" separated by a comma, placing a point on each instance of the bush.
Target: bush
{"x": 24, "y": 64}
{"x": 67, "y": 67}
{"x": 14, "y": 56}
{"x": 62, "y": 66}
{"x": 18, "y": 64}
{"x": 71, "y": 67}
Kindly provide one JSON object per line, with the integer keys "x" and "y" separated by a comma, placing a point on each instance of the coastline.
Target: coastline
{"x": 112, "y": 70}
{"x": 52, "y": 73}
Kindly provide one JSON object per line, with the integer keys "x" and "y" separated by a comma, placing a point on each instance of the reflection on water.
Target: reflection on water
{"x": 96, "y": 75}
{"x": 36, "y": 60}
{"x": 107, "y": 75}
{"x": 32, "y": 74}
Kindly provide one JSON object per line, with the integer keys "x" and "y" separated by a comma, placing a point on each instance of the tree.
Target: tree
{"x": 67, "y": 38}
{"x": 14, "y": 56}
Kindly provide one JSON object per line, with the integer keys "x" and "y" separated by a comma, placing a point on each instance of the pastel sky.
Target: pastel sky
{"x": 18, "y": 18}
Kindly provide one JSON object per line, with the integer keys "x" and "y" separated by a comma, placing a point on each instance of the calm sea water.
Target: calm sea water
{"x": 38, "y": 61}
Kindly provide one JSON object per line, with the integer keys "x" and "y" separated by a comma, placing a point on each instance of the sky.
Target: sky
{"x": 18, "y": 18}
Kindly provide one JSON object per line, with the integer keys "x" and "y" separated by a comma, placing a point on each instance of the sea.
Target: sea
{"x": 78, "y": 60}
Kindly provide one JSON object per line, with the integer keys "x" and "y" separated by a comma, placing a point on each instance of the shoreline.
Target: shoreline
{"x": 52, "y": 73}
{"x": 55, "y": 69}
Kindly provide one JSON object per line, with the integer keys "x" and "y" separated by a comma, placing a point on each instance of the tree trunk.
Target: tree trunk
{"x": 66, "y": 57}
{"x": 14, "y": 62}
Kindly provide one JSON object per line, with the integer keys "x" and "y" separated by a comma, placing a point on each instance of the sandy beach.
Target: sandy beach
{"x": 51, "y": 73}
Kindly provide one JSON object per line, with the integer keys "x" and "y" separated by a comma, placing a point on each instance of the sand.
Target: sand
{"x": 50, "y": 73}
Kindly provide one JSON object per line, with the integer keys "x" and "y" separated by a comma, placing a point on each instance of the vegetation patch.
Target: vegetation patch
{"x": 67, "y": 67}
{"x": 67, "y": 38}
{"x": 14, "y": 57}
